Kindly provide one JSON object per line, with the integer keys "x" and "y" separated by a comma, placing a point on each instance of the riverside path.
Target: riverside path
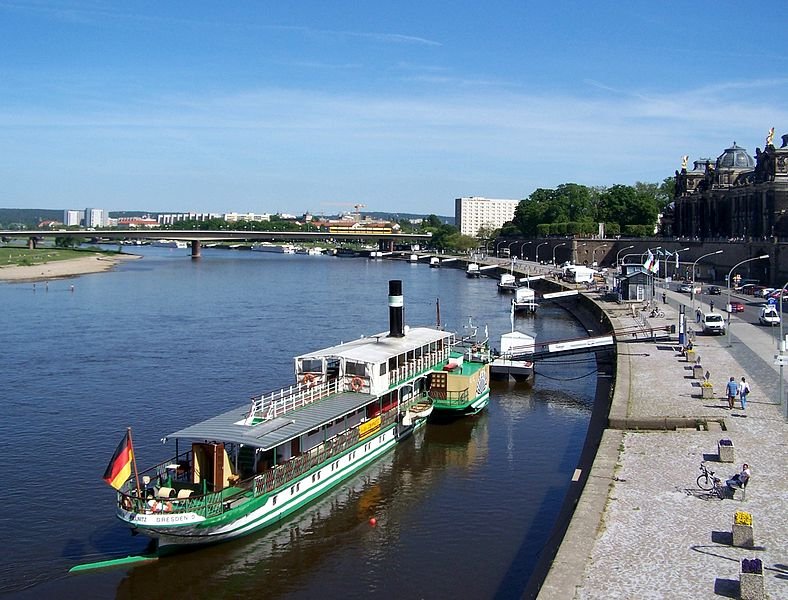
{"x": 642, "y": 529}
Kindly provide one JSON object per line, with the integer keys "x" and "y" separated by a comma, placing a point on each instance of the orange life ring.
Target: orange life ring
{"x": 356, "y": 384}
{"x": 309, "y": 379}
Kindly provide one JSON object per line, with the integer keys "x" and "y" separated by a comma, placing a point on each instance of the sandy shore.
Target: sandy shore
{"x": 64, "y": 268}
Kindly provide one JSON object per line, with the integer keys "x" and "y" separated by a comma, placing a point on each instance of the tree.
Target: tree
{"x": 67, "y": 241}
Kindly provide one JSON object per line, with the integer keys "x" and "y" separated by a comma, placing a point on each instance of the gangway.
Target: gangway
{"x": 550, "y": 349}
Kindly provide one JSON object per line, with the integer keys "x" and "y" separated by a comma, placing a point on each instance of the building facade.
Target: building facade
{"x": 735, "y": 197}
{"x": 73, "y": 218}
{"x": 472, "y": 213}
{"x": 95, "y": 217}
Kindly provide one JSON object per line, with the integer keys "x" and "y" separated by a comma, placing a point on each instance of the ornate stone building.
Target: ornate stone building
{"x": 734, "y": 197}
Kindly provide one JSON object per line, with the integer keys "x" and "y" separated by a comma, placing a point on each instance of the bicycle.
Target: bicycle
{"x": 709, "y": 483}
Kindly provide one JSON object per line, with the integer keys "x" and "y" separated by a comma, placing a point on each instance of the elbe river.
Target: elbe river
{"x": 463, "y": 509}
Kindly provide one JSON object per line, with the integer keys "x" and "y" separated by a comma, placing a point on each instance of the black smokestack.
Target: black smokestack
{"x": 395, "y": 308}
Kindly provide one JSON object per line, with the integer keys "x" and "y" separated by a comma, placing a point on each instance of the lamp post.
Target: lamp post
{"x": 666, "y": 266}
{"x": 523, "y": 245}
{"x": 619, "y": 254}
{"x": 536, "y": 257}
{"x": 593, "y": 254}
{"x": 728, "y": 305}
{"x": 509, "y": 246}
{"x": 496, "y": 247}
{"x": 692, "y": 289}
{"x": 557, "y": 246}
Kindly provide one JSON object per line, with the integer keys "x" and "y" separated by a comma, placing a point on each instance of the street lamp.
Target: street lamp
{"x": 666, "y": 265}
{"x": 692, "y": 290}
{"x": 593, "y": 254}
{"x": 536, "y": 257}
{"x": 509, "y": 246}
{"x": 496, "y": 246}
{"x": 557, "y": 246}
{"x": 523, "y": 245}
{"x": 619, "y": 253}
{"x": 728, "y": 306}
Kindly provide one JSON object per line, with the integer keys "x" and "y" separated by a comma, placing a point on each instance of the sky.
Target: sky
{"x": 401, "y": 106}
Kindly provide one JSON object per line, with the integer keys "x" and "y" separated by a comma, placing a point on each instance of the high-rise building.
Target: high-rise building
{"x": 73, "y": 218}
{"x": 95, "y": 217}
{"x": 470, "y": 214}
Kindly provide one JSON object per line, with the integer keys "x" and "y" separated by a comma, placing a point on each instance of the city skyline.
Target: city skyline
{"x": 274, "y": 108}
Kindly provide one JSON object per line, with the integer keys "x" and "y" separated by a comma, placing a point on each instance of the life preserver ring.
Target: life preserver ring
{"x": 309, "y": 379}
{"x": 356, "y": 384}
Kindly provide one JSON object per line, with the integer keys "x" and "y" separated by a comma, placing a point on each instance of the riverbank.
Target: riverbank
{"x": 641, "y": 528}
{"x": 60, "y": 269}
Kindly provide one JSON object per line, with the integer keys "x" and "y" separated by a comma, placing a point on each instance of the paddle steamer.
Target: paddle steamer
{"x": 252, "y": 466}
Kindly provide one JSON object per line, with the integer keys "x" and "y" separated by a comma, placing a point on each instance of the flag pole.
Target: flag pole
{"x": 134, "y": 463}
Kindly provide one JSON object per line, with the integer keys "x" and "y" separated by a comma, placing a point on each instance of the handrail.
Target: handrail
{"x": 277, "y": 403}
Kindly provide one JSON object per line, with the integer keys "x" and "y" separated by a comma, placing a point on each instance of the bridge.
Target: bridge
{"x": 196, "y": 237}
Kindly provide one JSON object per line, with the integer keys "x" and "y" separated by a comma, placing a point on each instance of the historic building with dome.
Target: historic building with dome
{"x": 735, "y": 197}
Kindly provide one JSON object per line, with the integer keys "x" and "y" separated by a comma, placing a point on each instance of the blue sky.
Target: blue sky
{"x": 402, "y": 106}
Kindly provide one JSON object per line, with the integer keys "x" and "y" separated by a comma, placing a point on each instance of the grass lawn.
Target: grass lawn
{"x": 23, "y": 257}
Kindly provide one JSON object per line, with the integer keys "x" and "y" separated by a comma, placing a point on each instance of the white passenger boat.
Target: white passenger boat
{"x": 170, "y": 243}
{"x": 274, "y": 248}
{"x": 435, "y": 262}
{"x": 524, "y": 300}
{"x": 472, "y": 270}
{"x": 253, "y": 465}
{"x": 512, "y": 360}
{"x": 507, "y": 283}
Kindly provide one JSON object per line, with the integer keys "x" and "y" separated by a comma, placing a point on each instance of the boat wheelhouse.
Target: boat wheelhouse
{"x": 507, "y": 283}
{"x": 252, "y": 466}
{"x": 435, "y": 262}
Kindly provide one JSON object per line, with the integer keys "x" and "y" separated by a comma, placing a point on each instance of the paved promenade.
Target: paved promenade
{"x": 641, "y": 528}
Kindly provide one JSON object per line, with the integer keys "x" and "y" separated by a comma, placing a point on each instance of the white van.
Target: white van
{"x": 713, "y": 323}
{"x": 769, "y": 316}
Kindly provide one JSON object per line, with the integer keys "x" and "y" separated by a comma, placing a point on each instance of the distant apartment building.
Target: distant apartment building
{"x": 169, "y": 219}
{"x": 73, "y": 218}
{"x": 136, "y": 223}
{"x": 234, "y": 217}
{"x": 470, "y": 214}
{"x": 95, "y": 217}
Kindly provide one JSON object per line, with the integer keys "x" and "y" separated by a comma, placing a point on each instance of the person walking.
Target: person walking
{"x": 711, "y": 305}
{"x": 664, "y": 298}
{"x": 744, "y": 390}
{"x": 732, "y": 389}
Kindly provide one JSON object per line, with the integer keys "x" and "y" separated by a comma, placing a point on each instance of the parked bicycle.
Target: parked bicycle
{"x": 709, "y": 483}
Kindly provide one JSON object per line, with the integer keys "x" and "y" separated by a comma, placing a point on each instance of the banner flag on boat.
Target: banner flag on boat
{"x": 119, "y": 467}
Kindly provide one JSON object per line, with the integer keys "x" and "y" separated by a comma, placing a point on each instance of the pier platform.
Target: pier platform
{"x": 642, "y": 528}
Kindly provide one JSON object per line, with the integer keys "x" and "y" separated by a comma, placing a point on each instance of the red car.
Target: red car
{"x": 737, "y": 306}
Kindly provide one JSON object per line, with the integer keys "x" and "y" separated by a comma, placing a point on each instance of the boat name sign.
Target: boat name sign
{"x": 154, "y": 519}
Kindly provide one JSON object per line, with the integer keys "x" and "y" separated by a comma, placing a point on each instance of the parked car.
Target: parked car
{"x": 685, "y": 287}
{"x": 763, "y": 292}
{"x": 776, "y": 294}
{"x": 737, "y": 306}
{"x": 714, "y": 290}
{"x": 769, "y": 316}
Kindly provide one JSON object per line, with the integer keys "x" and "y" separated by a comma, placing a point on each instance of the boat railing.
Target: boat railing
{"x": 413, "y": 367}
{"x": 445, "y": 398}
{"x": 275, "y": 404}
{"x": 295, "y": 467}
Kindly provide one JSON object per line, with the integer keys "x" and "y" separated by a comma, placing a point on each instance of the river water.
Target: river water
{"x": 463, "y": 509}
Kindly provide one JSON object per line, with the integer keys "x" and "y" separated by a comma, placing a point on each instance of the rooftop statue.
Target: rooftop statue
{"x": 684, "y": 160}
{"x": 770, "y": 137}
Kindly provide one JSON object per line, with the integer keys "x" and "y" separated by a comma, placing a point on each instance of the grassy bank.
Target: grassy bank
{"x": 23, "y": 257}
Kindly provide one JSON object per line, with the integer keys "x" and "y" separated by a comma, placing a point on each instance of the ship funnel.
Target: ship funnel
{"x": 395, "y": 309}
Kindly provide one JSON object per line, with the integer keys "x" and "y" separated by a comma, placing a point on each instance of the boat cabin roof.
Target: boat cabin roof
{"x": 229, "y": 426}
{"x": 379, "y": 348}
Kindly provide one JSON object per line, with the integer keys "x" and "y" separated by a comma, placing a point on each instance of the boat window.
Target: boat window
{"x": 392, "y": 364}
{"x": 382, "y": 369}
{"x": 354, "y": 368}
{"x": 311, "y": 365}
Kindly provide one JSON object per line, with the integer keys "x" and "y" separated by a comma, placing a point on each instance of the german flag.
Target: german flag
{"x": 119, "y": 467}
